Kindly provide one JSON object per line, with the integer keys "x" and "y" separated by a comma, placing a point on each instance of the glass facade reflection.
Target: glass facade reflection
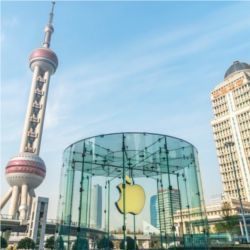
{"x": 166, "y": 167}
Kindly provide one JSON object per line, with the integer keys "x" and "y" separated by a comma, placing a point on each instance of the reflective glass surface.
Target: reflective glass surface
{"x": 165, "y": 167}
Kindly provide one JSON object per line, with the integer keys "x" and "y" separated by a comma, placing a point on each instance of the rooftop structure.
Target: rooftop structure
{"x": 236, "y": 67}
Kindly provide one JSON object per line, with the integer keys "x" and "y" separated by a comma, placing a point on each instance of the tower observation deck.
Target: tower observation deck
{"x": 27, "y": 170}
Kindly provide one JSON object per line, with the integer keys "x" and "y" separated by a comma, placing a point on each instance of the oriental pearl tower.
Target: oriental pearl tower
{"x": 27, "y": 170}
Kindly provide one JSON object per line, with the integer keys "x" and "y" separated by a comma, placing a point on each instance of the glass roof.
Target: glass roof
{"x": 140, "y": 154}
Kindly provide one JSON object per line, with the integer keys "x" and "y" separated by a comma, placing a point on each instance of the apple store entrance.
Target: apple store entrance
{"x": 131, "y": 191}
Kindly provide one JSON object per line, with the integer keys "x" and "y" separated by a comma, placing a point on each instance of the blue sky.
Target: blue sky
{"x": 123, "y": 66}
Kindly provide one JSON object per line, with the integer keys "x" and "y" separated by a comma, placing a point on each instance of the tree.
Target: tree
{"x": 81, "y": 244}
{"x": 26, "y": 243}
{"x": 4, "y": 243}
{"x": 50, "y": 242}
{"x": 59, "y": 243}
{"x": 105, "y": 243}
{"x": 131, "y": 244}
{"x": 230, "y": 223}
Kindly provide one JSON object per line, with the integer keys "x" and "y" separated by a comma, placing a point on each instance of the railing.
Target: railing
{"x": 32, "y": 134}
{"x": 7, "y": 217}
{"x": 36, "y": 105}
{"x": 34, "y": 119}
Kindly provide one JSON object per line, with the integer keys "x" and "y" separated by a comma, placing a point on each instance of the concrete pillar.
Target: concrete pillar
{"x": 180, "y": 228}
{"x": 241, "y": 229}
{"x": 29, "y": 109}
{"x": 29, "y": 203}
{"x": 14, "y": 201}
{"x": 31, "y": 196}
{"x": 23, "y": 207}
{"x": 41, "y": 114}
{"x": 184, "y": 228}
{"x": 5, "y": 198}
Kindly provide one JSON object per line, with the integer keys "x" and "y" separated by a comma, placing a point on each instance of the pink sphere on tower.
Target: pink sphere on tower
{"x": 44, "y": 58}
{"x": 26, "y": 168}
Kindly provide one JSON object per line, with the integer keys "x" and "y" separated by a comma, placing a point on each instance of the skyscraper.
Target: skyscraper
{"x": 154, "y": 210}
{"x": 169, "y": 202}
{"x": 231, "y": 129}
{"x": 96, "y": 207}
{"x": 27, "y": 170}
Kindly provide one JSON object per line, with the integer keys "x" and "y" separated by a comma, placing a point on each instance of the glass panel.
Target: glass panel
{"x": 165, "y": 167}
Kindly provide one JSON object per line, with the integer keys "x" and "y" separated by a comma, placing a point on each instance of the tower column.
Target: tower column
{"x": 31, "y": 196}
{"x": 23, "y": 205}
{"x": 5, "y": 198}
{"x": 42, "y": 111}
{"x": 29, "y": 109}
{"x": 14, "y": 201}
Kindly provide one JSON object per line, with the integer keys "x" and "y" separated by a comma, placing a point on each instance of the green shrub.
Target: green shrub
{"x": 105, "y": 243}
{"x": 4, "y": 242}
{"x": 131, "y": 244}
{"x": 26, "y": 243}
{"x": 50, "y": 242}
{"x": 81, "y": 244}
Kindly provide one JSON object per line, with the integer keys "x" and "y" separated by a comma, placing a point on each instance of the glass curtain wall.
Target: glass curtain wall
{"x": 166, "y": 167}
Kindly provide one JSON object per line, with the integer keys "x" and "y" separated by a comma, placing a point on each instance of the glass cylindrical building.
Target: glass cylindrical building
{"x": 100, "y": 172}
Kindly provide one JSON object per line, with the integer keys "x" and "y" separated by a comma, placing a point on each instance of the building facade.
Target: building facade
{"x": 37, "y": 221}
{"x": 188, "y": 218}
{"x": 231, "y": 129}
{"x": 169, "y": 204}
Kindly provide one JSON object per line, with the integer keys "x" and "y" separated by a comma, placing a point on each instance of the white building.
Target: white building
{"x": 37, "y": 221}
{"x": 96, "y": 207}
{"x": 169, "y": 204}
{"x": 231, "y": 125}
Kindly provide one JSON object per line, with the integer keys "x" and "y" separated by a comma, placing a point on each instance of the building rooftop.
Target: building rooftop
{"x": 236, "y": 66}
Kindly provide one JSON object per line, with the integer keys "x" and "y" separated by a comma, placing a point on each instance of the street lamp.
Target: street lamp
{"x": 229, "y": 145}
{"x": 107, "y": 186}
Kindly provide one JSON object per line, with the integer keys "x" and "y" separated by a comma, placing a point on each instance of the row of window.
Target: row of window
{"x": 230, "y": 176}
{"x": 226, "y": 162}
{"x": 234, "y": 193}
{"x": 222, "y": 133}
{"x": 243, "y": 104}
{"x": 241, "y": 90}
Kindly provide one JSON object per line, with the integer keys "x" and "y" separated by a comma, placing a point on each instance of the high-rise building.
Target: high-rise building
{"x": 27, "y": 170}
{"x": 154, "y": 210}
{"x": 231, "y": 129}
{"x": 169, "y": 204}
{"x": 37, "y": 221}
{"x": 96, "y": 206}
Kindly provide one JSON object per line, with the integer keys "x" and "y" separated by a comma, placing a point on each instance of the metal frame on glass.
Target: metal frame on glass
{"x": 170, "y": 161}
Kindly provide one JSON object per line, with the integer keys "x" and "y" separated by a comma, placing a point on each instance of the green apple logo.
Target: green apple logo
{"x": 134, "y": 198}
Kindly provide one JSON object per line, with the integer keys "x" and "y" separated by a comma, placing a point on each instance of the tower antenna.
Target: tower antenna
{"x": 52, "y": 12}
{"x": 49, "y": 29}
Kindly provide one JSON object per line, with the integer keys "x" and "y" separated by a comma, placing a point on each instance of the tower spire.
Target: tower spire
{"x": 51, "y": 14}
{"x": 49, "y": 29}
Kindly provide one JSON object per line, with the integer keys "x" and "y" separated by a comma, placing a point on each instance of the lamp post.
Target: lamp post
{"x": 229, "y": 145}
{"x": 107, "y": 186}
